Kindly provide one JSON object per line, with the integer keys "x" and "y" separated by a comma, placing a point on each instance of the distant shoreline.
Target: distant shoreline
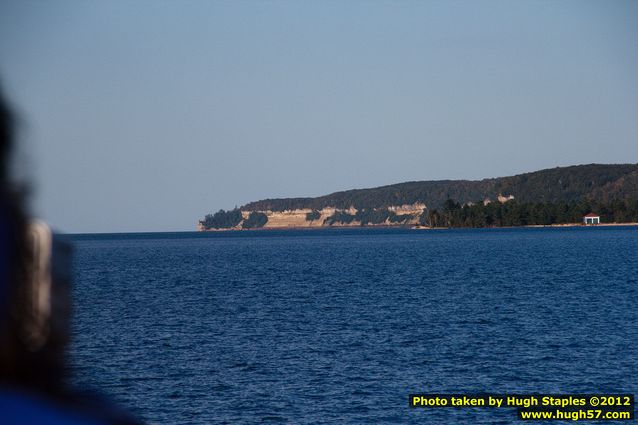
{"x": 377, "y": 226}
{"x": 583, "y": 225}
{"x": 533, "y": 226}
{"x": 558, "y": 195}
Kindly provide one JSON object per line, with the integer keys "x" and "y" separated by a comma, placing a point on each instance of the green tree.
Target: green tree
{"x": 313, "y": 215}
{"x": 255, "y": 220}
{"x": 222, "y": 219}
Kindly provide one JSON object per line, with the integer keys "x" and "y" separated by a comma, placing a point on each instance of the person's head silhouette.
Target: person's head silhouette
{"x": 33, "y": 319}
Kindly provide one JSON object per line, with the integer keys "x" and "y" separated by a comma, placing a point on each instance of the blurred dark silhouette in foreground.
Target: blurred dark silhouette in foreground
{"x": 34, "y": 316}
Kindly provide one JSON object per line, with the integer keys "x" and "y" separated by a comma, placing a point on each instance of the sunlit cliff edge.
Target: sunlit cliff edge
{"x": 304, "y": 218}
{"x": 551, "y": 196}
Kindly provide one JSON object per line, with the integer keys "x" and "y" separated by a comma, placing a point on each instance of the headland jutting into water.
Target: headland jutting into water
{"x": 556, "y": 196}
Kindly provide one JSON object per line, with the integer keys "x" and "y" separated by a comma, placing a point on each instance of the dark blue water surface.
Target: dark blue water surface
{"x": 339, "y": 326}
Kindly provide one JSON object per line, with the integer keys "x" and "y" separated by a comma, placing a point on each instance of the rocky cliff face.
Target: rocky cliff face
{"x": 403, "y": 203}
{"x": 286, "y": 219}
{"x": 308, "y": 218}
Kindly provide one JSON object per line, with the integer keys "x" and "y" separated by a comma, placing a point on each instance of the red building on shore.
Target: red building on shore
{"x": 591, "y": 218}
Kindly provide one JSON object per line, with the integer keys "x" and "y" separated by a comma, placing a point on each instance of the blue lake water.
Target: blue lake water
{"x": 340, "y": 325}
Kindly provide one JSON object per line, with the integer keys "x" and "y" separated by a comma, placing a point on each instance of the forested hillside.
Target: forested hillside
{"x": 552, "y": 196}
{"x": 593, "y": 182}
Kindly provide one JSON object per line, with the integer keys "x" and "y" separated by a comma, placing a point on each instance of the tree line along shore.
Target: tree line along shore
{"x": 510, "y": 213}
{"x": 555, "y": 196}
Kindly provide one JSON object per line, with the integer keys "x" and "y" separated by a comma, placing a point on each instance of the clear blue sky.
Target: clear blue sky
{"x": 146, "y": 115}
